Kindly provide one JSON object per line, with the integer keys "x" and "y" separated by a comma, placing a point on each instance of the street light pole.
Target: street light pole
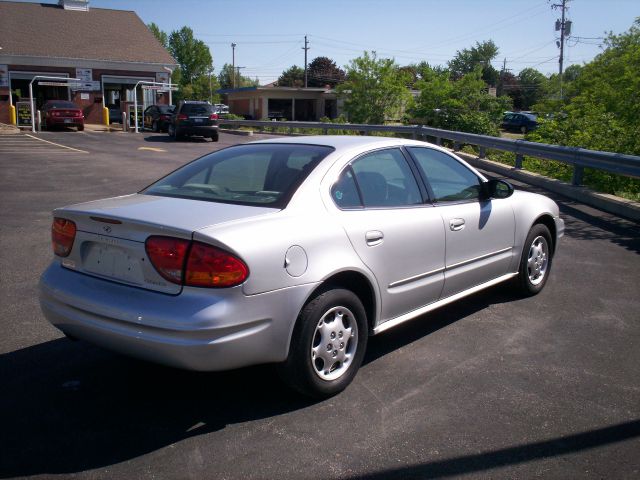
{"x": 233, "y": 65}
{"x": 210, "y": 89}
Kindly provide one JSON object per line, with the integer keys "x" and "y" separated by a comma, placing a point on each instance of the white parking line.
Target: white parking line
{"x": 57, "y": 144}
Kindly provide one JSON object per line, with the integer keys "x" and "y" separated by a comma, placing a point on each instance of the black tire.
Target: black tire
{"x": 155, "y": 128}
{"x": 81, "y": 128}
{"x": 535, "y": 261}
{"x": 214, "y": 137}
{"x": 523, "y": 130}
{"x": 299, "y": 371}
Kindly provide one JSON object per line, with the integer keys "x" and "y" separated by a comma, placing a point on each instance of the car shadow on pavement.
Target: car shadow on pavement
{"x": 428, "y": 323}
{"x": 165, "y": 138}
{"x": 71, "y": 407}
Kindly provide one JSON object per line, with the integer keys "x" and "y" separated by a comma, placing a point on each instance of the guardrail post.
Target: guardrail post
{"x": 414, "y": 133}
{"x": 482, "y": 153}
{"x": 324, "y": 131}
{"x": 578, "y": 172}
{"x": 519, "y": 158}
{"x": 456, "y": 146}
{"x": 438, "y": 141}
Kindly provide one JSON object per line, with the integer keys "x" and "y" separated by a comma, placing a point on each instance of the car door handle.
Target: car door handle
{"x": 456, "y": 224}
{"x": 374, "y": 237}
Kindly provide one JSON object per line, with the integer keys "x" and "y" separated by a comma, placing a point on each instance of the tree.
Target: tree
{"x": 192, "y": 55}
{"x": 324, "y": 71}
{"x": 225, "y": 78}
{"x": 602, "y": 108}
{"x": 291, "y": 77}
{"x": 422, "y": 71}
{"x": 509, "y": 84}
{"x": 162, "y": 37}
{"x": 462, "y": 105}
{"x": 375, "y": 89}
{"x": 467, "y": 59}
{"x": 572, "y": 73}
{"x": 532, "y": 84}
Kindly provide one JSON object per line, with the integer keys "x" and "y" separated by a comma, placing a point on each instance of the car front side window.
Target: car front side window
{"x": 450, "y": 180}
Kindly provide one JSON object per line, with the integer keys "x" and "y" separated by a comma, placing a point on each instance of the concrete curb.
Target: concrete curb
{"x": 6, "y": 129}
{"x": 603, "y": 201}
{"x": 92, "y": 127}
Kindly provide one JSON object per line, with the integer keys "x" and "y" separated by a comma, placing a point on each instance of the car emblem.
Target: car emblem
{"x": 107, "y": 228}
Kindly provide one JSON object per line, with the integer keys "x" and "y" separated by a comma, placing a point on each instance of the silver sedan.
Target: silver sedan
{"x": 291, "y": 251}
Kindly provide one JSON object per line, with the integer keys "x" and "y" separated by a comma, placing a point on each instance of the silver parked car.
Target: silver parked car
{"x": 291, "y": 251}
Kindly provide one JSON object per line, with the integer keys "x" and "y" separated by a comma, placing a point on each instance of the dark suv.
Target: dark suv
{"x": 194, "y": 118}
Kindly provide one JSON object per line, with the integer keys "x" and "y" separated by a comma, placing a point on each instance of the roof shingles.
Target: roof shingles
{"x": 47, "y": 30}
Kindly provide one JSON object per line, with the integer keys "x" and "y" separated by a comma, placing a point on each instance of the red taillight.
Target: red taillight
{"x": 55, "y": 114}
{"x": 63, "y": 233}
{"x": 78, "y": 113}
{"x": 206, "y": 265}
{"x": 164, "y": 117}
{"x": 209, "y": 266}
{"x": 182, "y": 116}
{"x": 213, "y": 116}
{"x": 167, "y": 256}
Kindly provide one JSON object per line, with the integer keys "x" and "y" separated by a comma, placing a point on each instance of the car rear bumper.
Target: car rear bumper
{"x": 200, "y": 329}
{"x": 65, "y": 122}
{"x": 205, "y": 130}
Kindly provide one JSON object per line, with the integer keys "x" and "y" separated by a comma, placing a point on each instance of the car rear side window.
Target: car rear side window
{"x": 344, "y": 192}
{"x": 449, "y": 179}
{"x": 262, "y": 174}
{"x": 386, "y": 180}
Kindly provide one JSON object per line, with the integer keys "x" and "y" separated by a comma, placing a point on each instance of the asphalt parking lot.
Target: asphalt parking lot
{"x": 492, "y": 387}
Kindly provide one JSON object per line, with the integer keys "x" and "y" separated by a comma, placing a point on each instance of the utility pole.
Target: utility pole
{"x": 502, "y": 73}
{"x": 210, "y": 87}
{"x": 564, "y": 27}
{"x": 305, "y": 48}
{"x": 233, "y": 65}
{"x": 238, "y": 76}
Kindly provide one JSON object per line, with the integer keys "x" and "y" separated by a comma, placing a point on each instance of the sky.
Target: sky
{"x": 269, "y": 34}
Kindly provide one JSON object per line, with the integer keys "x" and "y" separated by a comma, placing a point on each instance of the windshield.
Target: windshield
{"x": 259, "y": 174}
{"x": 166, "y": 108}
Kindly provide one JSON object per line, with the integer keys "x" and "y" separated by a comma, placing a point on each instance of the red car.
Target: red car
{"x": 61, "y": 113}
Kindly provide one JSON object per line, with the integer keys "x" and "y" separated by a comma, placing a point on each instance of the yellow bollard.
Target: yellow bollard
{"x": 105, "y": 116}
{"x": 12, "y": 114}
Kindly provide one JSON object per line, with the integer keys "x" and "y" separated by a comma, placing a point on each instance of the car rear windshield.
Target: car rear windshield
{"x": 166, "y": 108}
{"x": 197, "y": 109}
{"x": 262, "y": 174}
{"x": 61, "y": 104}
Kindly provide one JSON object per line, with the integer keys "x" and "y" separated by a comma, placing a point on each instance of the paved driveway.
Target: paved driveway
{"x": 491, "y": 387}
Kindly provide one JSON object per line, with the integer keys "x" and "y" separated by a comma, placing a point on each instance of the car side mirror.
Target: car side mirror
{"x": 497, "y": 189}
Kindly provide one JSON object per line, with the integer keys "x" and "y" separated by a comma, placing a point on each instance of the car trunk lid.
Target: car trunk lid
{"x": 111, "y": 234}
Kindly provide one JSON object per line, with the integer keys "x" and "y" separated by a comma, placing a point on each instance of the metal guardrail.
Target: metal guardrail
{"x": 580, "y": 158}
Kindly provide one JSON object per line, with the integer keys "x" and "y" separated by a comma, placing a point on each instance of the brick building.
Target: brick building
{"x": 291, "y": 103}
{"x": 108, "y": 50}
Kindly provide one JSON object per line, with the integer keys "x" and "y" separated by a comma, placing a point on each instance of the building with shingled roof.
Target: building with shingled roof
{"x": 110, "y": 51}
